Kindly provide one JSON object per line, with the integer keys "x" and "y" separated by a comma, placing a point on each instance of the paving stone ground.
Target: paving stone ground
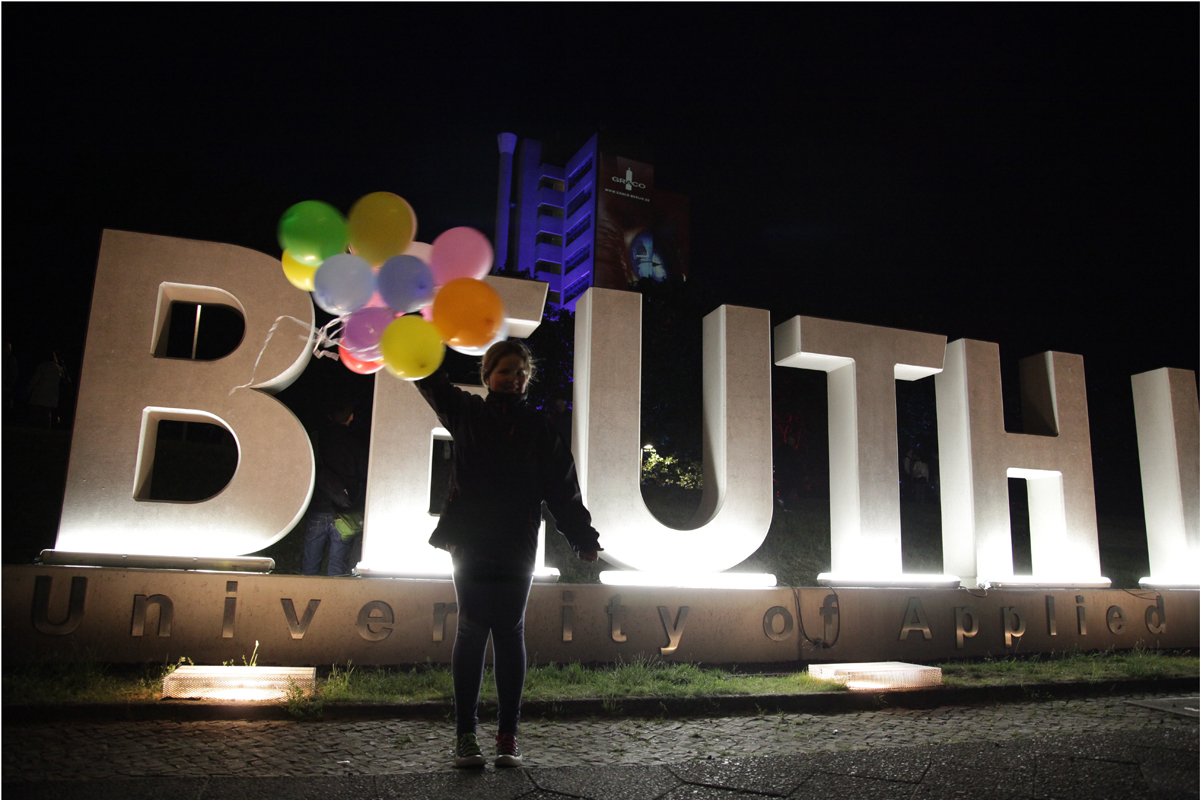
{"x": 276, "y": 749}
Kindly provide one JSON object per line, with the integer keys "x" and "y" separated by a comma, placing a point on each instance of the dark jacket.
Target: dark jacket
{"x": 508, "y": 458}
{"x": 341, "y": 484}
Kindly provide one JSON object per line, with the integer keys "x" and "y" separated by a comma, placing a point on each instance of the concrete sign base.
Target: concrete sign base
{"x": 131, "y": 615}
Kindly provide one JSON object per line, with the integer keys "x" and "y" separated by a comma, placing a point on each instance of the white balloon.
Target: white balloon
{"x": 420, "y": 250}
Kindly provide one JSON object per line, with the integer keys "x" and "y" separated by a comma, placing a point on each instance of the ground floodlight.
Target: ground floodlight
{"x": 252, "y": 684}
{"x": 879, "y": 675}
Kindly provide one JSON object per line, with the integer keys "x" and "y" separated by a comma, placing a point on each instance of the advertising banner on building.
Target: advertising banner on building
{"x": 641, "y": 233}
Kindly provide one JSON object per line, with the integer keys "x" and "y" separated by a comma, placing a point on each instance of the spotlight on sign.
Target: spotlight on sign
{"x": 63, "y": 558}
{"x": 879, "y": 675}
{"x": 251, "y": 684}
{"x": 1044, "y": 582}
{"x": 899, "y": 581}
{"x": 540, "y": 574}
{"x": 1170, "y": 582}
{"x": 688, "y": 580}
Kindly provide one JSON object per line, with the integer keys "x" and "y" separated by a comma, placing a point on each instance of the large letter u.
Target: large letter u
{"x": 735, "y": 508}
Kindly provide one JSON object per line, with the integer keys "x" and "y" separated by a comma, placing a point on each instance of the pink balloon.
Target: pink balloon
{"x": 420, "y": 250}
{"x": 376, "y": 301}
{"x": 460, "y": 253}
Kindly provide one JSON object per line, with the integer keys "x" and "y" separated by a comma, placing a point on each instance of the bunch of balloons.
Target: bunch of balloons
{"x": 399, "y": 301}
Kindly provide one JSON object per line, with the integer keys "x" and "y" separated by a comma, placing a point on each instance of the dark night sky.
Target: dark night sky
{"x": 1020, "y": 174}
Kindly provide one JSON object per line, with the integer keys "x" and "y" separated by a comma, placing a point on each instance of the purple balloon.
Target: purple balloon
{"x": 363, "y": 330}
{"x": 405, "y": 283}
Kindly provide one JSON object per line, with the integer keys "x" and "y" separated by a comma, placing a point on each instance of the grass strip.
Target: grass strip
{"x": 55, "y": 682}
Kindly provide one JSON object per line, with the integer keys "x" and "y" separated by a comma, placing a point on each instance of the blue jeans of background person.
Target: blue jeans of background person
{"x": 492, "y": 604}
{"x": 321, "y": 532}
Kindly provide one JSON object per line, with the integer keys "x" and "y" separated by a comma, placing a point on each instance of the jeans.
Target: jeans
{"x": 320, "y": 532}
{"x": 492, "y": 604}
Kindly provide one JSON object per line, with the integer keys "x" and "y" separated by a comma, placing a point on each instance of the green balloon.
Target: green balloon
{"x": 312, "y": 231}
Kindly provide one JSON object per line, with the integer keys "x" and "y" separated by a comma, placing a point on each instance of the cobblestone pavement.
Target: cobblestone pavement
{"x": 107, "y": 750}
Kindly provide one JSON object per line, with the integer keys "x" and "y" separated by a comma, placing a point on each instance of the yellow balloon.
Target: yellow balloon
{"x": 299, "y": 273}
{"x": 468, "y": 312}
{"x": 380, "y": 225}
{"x": 411, "y": 347}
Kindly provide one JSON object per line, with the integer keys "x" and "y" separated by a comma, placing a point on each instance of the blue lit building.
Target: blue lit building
{"x": 595, "y": 221}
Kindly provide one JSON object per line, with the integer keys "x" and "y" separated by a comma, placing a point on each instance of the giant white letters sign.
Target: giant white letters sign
{"x": 127, "y": 386}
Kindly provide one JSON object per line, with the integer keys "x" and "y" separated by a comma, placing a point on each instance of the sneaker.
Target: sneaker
{"x": 467, "y": 752}
{"x": 507, "y": 752}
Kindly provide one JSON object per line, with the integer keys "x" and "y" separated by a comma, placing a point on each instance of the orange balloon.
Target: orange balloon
{"x": 468, "y": 312}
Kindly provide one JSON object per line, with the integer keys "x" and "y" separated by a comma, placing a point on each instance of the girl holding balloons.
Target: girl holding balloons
{"x": 508, "y": 458}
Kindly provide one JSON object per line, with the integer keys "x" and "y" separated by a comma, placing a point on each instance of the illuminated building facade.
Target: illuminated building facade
{"x": 598, "y": 220}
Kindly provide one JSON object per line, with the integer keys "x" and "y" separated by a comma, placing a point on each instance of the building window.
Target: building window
{"x": 579, "y": 229}
{"x": 579, "y": 200}
{"x": 550, "y": 183}
{"x": 548, "y": 266}
{"x": 553, "y": 297}
{"x": 580, "y": 172}
{"x": 546, "y": 210}
{"x": 581, "y": 255}
{"x": 577, "y": 287}
{"x": 549, "y": 238}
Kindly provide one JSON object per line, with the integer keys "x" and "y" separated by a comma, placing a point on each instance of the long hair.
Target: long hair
{"x": 506, "y": 348}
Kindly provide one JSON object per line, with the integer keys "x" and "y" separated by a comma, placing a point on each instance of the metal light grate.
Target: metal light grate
{"x": 877, "y": 675}
{"x": 238, "y": 683}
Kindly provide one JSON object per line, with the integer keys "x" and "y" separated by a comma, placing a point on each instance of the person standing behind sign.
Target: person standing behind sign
{"x": 44, "y": 389}
{"x": 336, "y": 511}
{"x": 508, "y": 458}
{"x": 920, "y": 474}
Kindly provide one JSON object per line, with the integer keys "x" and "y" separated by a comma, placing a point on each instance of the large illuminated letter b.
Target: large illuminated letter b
{"x": 125, "y": 389}
{"x": 735, "y": 508}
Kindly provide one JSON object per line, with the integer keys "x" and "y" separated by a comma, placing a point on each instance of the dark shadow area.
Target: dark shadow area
{"x": 439, "y": 479}
{"x": 35, "y": 477}
{"x": 919, "y": 476}
{"x": 1018, "y": 515}
{"x": 799, "y": 435}
{"x": 203, "y": 332}
{"x": 193, "y": 461}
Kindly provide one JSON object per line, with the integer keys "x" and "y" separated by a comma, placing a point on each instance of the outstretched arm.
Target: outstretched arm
{"x": 565, "y": 501}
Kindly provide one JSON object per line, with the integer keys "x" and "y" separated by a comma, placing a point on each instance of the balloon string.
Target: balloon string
{"x": 327, "y": 340}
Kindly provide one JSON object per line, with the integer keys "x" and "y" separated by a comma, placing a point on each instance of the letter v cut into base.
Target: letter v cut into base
{"x": 735, "y": 508}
